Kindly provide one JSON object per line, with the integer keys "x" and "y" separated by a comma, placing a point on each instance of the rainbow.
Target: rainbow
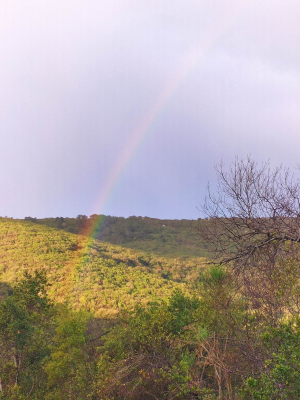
{"x": 189, "y": 61}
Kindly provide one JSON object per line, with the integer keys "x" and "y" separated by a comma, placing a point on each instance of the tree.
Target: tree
{"x": 69, "y": 368}
{"x": 280, "y": 380}
{"x": 81, "y": 221}
{"x": 254, "y": 226}
{"x": 147, "y": 355}
{"x": 25, "y": 326}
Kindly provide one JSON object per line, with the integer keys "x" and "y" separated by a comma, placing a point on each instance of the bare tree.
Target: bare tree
{"x": 254, "y": 226}
{"x": 253, "y": 208}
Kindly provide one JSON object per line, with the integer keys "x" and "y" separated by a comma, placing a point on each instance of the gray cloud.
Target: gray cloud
{"x": 77, "y": 78}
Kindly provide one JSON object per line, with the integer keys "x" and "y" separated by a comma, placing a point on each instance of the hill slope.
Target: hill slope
{"x": 168, "y": 238}
{"x": 89, "y": 274}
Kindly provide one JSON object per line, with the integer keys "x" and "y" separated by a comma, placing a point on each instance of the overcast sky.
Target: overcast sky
{"x": 123, "y": 107}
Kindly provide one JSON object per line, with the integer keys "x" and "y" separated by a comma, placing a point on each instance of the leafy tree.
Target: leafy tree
{"x": 24, "y": 333}
{"x": 144, "y": 357}
{"x": 68, "y": 368}
{"x": 81, "y": 221}
{"x": 280, "y": 380}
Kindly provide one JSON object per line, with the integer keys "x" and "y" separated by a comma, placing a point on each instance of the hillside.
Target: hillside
{"x": 168, "y": 238}
{"x": 87, "y": 273}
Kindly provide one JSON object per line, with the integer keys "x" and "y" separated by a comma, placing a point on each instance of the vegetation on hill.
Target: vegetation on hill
{"x": 88, "y": 274}
{"x": 212, "y": 347}
{"x": 167, "y": 238}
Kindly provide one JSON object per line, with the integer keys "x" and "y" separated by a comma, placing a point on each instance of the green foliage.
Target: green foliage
{"x": 178, "y": 331}
{"x": 67, "y": 348}
{"x": 44, "y": 349}
{"x": 88, "y": 274}
{"x": 147, "y": 355}
{"x": 280, "y": 380}
{"x": 167, "y": 238}
{"x": 25, "y": 326}
{"x": 69, "y": 368}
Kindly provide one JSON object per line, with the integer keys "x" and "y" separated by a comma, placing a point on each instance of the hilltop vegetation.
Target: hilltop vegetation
{"x": 88, "y": 274}
{"x": 167, "y": 238}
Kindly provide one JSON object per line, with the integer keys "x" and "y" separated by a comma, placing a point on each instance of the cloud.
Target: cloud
{"x": 78, "y": 77}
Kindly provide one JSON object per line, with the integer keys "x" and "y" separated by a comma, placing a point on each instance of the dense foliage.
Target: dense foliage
{"x": 90, "y": 275}
{"x": 169, "y": 238}
{"x": 186, "y": 347}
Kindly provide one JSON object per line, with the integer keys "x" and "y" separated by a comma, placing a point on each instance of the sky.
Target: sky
{"x": 124, "y": 107}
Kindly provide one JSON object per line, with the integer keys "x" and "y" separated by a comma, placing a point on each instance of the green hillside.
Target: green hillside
{"x": 168, "y": 238}
{"x": 89, "y": 274}
{"x": 60, "y": 341}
